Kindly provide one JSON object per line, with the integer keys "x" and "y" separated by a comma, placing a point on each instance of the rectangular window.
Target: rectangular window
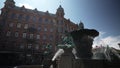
{"x": 24, "y": 35}
{"x": 34, "y": 19}
{"x": 60, "y": 22}
{"x": 11, "y": 25}
{"x": 46, "y": 20}
{"x": 38, "y": 37}
{"x": 51, "y": 30}
{"x": 19, "y": 25}
{"x": 31, "y": 36}
{"x": 59, "y": 29}
{"x": 27, "y": 18}
{"x": 39, "y": 28}
{"x": 20, "y": 16}
{"x": 37, "y": 47}
{"x": 22, "y": 46}
{"x": 29, "y": 46}
{"x": 12, "y": 15}
{"x": 40, "y": 19}
{"x": 51, "y": 37}
{"x": 45, "y": 29}
{"x": 26, "y": 26}
{"x": 44, "y": 37}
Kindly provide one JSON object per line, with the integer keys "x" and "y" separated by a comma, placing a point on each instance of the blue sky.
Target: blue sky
{"x": 102, "y": 15}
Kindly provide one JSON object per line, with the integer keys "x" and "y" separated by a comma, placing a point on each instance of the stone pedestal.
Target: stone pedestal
{"x": 88, "y": 63}
{"x": 66, "y": 60}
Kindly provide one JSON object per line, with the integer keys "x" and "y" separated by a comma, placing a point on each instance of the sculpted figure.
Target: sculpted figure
{"x": 67, "y": 43}
{"x": 83, "y": 40}
{"x": 80, "y": 42}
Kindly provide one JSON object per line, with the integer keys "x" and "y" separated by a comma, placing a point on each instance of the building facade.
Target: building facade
{"x": 31, "y": 32}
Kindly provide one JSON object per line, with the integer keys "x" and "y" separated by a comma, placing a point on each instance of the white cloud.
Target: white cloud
{"x": 26, "y": 5}
{"x": 112, "y": 41}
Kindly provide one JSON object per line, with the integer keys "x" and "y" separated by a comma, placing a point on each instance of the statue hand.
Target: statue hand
{"x": 68, "y": 45}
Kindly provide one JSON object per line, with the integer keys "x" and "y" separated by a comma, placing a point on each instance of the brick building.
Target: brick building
{"x": 28, "y": 32}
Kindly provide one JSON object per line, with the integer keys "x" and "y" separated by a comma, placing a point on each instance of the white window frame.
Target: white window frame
{"x": 26, "y": 26}
{"x": 24, "y": 35}
{"x": 31, "y": 36}
{"x": 18, "y": 25}
{"x": 38, "y": 37}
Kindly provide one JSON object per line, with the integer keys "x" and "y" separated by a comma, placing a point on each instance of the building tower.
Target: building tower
{"x": 81, "y": 25}
{"x": 9, "y": 3}
{"x": 60, "y": 12}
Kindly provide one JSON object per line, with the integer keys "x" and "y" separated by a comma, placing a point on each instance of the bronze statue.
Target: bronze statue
{"x": 83, "y": 40}
{"x": 79, "y": 41}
